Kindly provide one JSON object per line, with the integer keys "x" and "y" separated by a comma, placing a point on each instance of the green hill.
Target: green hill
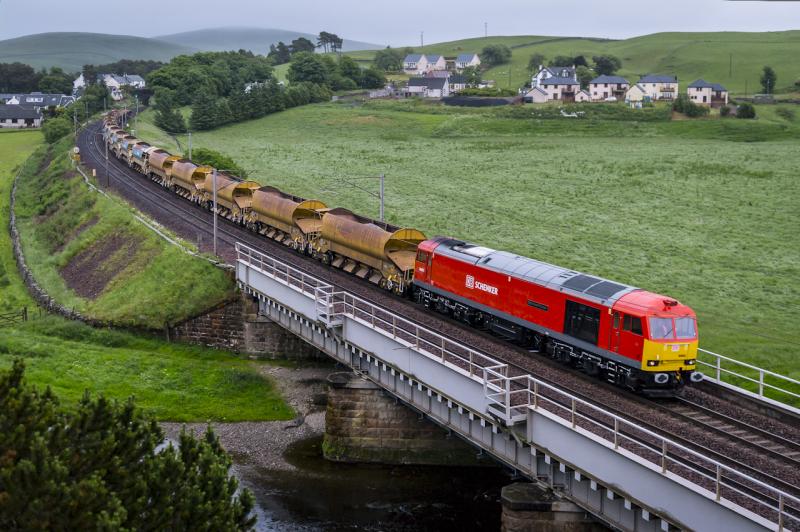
{"x": 257, "y": 40}
{"x": 71, "y": 51}
{"x": 731, "y": 58}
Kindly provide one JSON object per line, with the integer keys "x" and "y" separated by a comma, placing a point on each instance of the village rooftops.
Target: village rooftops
{"x": 465, "y": 58}
{"x": 413, "y": 58}
{"x": 609, "y": 79}
{"x": 556, "y": 80}
{"x": 431, "y": 83}
{"x": 17, "y": 112}
{"x": 657, "y": 78}
{"x": 703, "y": 84}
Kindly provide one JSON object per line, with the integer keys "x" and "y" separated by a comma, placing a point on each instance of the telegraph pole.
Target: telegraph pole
{"x": 190, "y": 148}
{"x": 214, "y": 185}
{"x": 383, "y": 177}
{"x": 136, "y": 116}
{"x": 486, "y": 29}
{"x": 108, "y": 178}
{"x": 422, "y": 39}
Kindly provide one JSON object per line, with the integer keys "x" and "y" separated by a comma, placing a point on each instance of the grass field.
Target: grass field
{"x": 175, "y": 382}
{"x": 734, "y": 59}
{"x": 146, "y": 282}
{"x": 685, "y": 208}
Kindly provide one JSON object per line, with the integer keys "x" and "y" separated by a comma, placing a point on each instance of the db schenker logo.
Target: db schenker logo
{"x": 472, "y": 284}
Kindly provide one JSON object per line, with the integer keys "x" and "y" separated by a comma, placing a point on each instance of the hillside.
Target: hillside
{"x": 734, "y": 59}
{"x": 257, "y": 40}
{"x": 71, "y": 51}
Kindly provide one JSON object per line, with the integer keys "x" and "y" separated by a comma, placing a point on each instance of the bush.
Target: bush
{"x": 785, "y": 113}
{"x": 496, "y": 54}
{"x": 683, "y": 104}
{"x": 339, "y": 82}
{"x": 724, "y": 111}
{"x": 746, "y": 110}
{"x": 488, "y": 92}
{"x": 55, "y": 129}
{"x": 218, "y": 160}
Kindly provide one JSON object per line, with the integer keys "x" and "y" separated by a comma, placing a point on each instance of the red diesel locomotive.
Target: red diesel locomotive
{"x": 634, "y": 338}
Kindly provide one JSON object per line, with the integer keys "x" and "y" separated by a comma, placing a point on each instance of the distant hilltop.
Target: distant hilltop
{"x": 72, "y": 50}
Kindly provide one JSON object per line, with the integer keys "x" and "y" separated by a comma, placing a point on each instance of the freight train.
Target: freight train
{"x": 631, "y": 337}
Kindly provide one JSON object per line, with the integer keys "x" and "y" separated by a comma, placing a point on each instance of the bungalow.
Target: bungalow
{"x": 112, "y": 81}
{"x": 637, "y": 96}
{"x": 604, "y": 87}
{"x": 710, "y": 94}
{"x": 467, "y": 60}
{"x": 429, "y": 87}
{"x": 659, "y": 87}
{"x": 436, "y": 62}
{"x": 558, "y": 88}
{"x": 38, "y": 100}
{"x": 415, "y": 64}
{"x": 19, "y": 116}
{"x": 536, "y": 95}
{"x": 583, "y": 96}
{"x": 553, "y": 72}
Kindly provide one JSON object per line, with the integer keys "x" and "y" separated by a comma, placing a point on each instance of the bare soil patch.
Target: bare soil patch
{"x": 89, "y": 272}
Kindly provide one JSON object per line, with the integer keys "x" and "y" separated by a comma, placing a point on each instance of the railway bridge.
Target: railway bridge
{"x": 626, "y": 475}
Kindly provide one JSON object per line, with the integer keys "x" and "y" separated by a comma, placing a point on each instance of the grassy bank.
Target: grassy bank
{"x": 175, "y": 382}
{"x": 90, "y": 253}
{"x": 683, "y": 208}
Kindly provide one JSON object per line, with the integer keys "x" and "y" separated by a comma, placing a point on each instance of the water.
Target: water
{"x": 323, "y": 495}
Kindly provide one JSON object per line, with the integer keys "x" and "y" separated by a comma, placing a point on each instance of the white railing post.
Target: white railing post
{"x": 663, "y": 456}
{"x": 535, "y": 395}
{"x": 573, "y": 412}
{"x": 616, "y": 433}
{"x": 719, "y": 482}
{"x": 719, "y": 369}
{"x": 780, "y": 512}
{"x": 761, "y": 382}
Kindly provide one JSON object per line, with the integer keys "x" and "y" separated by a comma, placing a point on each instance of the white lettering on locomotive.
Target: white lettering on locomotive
{"x": 472, "y": 284}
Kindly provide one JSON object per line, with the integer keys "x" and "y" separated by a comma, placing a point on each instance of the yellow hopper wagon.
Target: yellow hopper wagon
{"x": 188, "y": 180}
{"x": 234, "y": 196}
{"x": 289, "y": 219}
{"x": 159, "y": 166}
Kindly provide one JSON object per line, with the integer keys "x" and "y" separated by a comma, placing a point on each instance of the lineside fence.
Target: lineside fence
{"x": 13, "y": 318}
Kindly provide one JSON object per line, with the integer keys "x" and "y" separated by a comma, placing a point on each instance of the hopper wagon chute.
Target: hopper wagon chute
{"x": 159, "y": 165}
{"x": 286, "y": 218}
{"x": 379, "y": 252}
{"x": 188, "y": 179}
{"x": 234, "y": 196}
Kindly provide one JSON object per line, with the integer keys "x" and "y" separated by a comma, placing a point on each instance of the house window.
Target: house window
{"x": 605, "y": 84}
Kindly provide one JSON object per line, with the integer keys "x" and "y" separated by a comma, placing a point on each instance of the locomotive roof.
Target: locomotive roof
{"x": 580, "y": 284}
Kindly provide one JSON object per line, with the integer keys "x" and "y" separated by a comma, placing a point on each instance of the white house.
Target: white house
{"x": 583, "y": 96}
{"x": 19, "y": 116}
{"x": 436, "y": 62}
{"x": 558, "y": 88}
{"x": 603, "y": 87}
{"x": 659, "y": 87}
{"x": 536, "y": 95}
{"x": 113, "y": 82}
{"x": 415, "y": 64}
{"x": 457, "y": 82}
{"x": 553, "y": 72}
{"x": 636, "y": 96}
{"x": 702, "y": 92}
{"x": 429, "y": 87}
{"x": 467, "y": 60}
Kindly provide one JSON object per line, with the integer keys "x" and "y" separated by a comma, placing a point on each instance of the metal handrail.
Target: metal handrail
{"x": 719, "y": 371}
{"x": 503, "y": 391}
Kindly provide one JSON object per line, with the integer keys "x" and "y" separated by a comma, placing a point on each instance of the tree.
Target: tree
{"x": 218, "y": 160}
{"x": 496, "y": 54}
{"x": 329, "y": 42}
{"x": 56, "y": 128}
{"x": 349, "y": 68}
{"x": 605, "y": 65}
{"x": 18, "y": 77}
{"x": 279, "y": 54}
{"x": 768, "y": 80}
{"x": 746, "y": 110}
{"x": 585, "y": 75}
{"x": 309, "y": 67}
{"x": 472, "y": 76}
{"x": 683, "y": 104}
{"x": 167, "y": 117}
{"x": 562, "y": 60}
{"x": 204, "y": 112}
{"x": 302, "y": 44}
{"x": 338, "y": 82}
{"x": 95, "y": 466}
{"x": 389, "y": 59}
{"x": 580, "y": 60}
{"x": 535, "y": 62}
{"x": 372, "y": 78}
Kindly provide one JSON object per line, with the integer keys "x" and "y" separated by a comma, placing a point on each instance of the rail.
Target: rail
{"x": 12, "y": 318}
{"x": 511, "y": 398}
{"x": 720, "y": 370}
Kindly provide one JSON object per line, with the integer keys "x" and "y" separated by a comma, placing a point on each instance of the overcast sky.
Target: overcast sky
{"x": 400, "y": 22}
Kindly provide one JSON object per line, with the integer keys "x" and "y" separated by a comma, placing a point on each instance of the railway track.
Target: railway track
{"x": 688, "y": 424}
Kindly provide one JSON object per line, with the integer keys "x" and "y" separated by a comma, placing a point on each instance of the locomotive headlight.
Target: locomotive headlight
{"x": 652, "y": 363}
{"x": 691, "y": 362}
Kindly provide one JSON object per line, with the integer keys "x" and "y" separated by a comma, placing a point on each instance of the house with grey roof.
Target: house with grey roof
{"x": 536, "y": 95}
{"x": 603, "y": 87}
{"x": 19, "y": 116}
{"x": 436, "y": 62}
{"x": 659, "y": 87}
{"x": 415, "y": 64}
{"x": 38, "y": 100}
{"x": 553, "y": 72}
{"x": 706, "y": 93}
{"x": 467, "y": 60}
{"x": 429, "y": 87}
{"x": 560, "y": 88}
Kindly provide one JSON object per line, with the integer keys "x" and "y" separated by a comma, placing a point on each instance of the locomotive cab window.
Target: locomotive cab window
{"x": 422, "y": 256}
{"x": 582, "y": 322}
{"x": 632, "y": 324}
